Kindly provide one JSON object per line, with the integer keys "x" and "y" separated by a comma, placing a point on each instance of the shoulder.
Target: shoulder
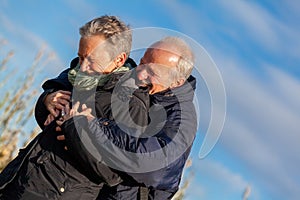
{"x": 74, "y": 63}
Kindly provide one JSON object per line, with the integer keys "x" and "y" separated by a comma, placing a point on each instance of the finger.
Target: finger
{"x": 49, "y": 119}
{"x": 59, "y": 122}
{"x": 46, "y": 123}
{"x": 53, "y": 112}
{"x": 58, "y": 129}
{"x": 60, "y": 137}
{"x": 87, "y": 111}
{"x": 67, "y": 109}
{"x": 64, "y": 92}
{"x": 63, "y": 102}
{"x": 76, "y": 106}
{"x": 83, "y": 107}
{"x": 59, "y": 106}
{"x": 65, "y": 97}
{"x": 57, "y": 112}
{"x": 60, "y": 103}
{"x": 66, "y": 148}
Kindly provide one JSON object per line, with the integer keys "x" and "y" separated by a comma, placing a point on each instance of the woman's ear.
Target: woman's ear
{"x": 120, "y": 59}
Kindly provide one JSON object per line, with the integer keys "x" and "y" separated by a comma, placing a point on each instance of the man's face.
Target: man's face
{"x": 93, "y": 56}
{"x": 155, "y": 69}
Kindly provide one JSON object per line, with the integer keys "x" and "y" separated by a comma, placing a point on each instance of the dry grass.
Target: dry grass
{"x": 187, "y": 180}
{"x": 16, "y": 105}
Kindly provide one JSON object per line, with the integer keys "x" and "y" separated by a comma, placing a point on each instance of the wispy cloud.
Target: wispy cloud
{"x": 252, "y": 20}
{"x": 255, "y": 22}
{"x": 261, "y": 127}
{"x": 263, "y": 117}
{"x": 26, "y": 44}
{"x": 286, "y": 86}
{"x": 227, "y": 182}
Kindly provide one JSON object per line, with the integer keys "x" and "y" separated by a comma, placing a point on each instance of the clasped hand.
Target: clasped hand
{"x": 69, "y": 113}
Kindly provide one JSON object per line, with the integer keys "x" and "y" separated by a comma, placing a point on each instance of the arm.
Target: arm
{"x": 80, "y": 146}
{"x": 56, "y": 94}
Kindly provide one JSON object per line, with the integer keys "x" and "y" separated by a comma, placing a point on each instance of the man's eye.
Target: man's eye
{"x": 81, "y": 58}
{"x": 151, "y": 72}
{"x": 91, "y": 60}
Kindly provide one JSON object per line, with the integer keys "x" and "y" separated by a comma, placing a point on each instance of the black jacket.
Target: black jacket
{"x": 153, "y": 159}
{"x": 44, "y": 169}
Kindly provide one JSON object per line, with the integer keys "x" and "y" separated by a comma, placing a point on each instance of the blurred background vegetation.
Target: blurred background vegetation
{"x": 17, "y": 100}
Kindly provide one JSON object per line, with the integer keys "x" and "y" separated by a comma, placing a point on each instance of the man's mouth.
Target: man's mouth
{"x": 144, "y": 83}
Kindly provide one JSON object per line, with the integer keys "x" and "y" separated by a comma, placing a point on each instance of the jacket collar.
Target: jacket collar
{"x": 176, "y": 95}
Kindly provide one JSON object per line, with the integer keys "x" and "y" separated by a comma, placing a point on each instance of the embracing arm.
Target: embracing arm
{"x": 80, "y": 147}
{"x": 105, "y": 131}
{"x": 56, "y": 94}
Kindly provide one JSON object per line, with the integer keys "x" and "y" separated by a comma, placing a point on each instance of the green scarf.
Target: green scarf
{"x": 82, "y": 81}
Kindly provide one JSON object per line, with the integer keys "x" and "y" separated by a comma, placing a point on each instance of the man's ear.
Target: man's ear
{"x": 178, "y": 83}
{"x": 120, "y": 59}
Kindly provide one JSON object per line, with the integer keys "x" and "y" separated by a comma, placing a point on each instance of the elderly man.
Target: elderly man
{"x": 45, "y": 169}
{"x": 151, "y": 159}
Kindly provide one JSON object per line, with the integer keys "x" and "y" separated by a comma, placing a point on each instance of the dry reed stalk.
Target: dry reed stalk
{"x": 180, "y": 194}
{"x": 17, "y": 107}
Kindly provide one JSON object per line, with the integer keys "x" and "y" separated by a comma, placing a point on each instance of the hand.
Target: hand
{"x": 57, "y": 101}
{"x": 71, "y": 113}
{"x": 49, "y": 119}
{"x": 85, "y": 111}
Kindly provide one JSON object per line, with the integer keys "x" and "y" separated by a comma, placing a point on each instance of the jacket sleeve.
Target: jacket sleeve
{"x": 40, "y": 110}
{"x": 59, "y": 83}
{"x": 12, "y": 168}
{"x": 80, "y": 146}
{"x": 104, "y": 131}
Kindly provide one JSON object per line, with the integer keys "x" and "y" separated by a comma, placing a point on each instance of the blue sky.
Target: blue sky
{"x": 254, "y": 44}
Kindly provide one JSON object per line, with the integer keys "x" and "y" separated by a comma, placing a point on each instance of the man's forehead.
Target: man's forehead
{"x": 92, "y": 43}
{"x": 161, "y": 56}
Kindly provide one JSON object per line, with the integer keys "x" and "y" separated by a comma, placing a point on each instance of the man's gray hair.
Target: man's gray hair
{"x": 115, "y": 31}
{"x": 180, "y": 48}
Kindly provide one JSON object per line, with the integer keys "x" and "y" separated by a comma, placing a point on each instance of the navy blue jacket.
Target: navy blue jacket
{"x": 154, "y": 157}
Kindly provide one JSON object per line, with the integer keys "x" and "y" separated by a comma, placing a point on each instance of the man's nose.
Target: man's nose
{"x": 143, "y": 75}
{"x": 84, "y": 65}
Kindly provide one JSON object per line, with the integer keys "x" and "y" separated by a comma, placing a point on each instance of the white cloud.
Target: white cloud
{"x": 243, "y": 22}
{"x": 262, "y": 126}
{"x": 275, "y": 34}
{"x": 286, "y": 86}
{"x": 253, "y": 19}
{"x": 226, "y": 181}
